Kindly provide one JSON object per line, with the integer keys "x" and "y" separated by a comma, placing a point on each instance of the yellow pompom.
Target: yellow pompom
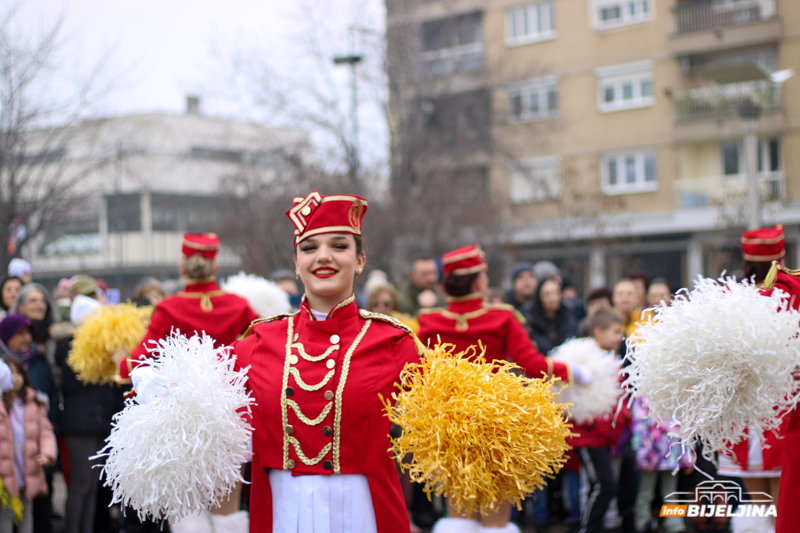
{"x": 110, "y": 329}
{"x": 479, "y": 433}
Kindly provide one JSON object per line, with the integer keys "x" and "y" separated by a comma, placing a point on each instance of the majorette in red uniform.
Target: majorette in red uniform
{"x": 201, "y": 306}
{"x": 752, "y": 459}
{"x": 789, "y": 493}
{"x": 316, "y": 385}
{"x": 468, "y": 320}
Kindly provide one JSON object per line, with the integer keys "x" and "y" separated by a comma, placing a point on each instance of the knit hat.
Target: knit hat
{"x": 545, "y": 270}
{"x": 11, "y": 324}
{"x": 519, "y": 268}
{"x": 85, "y": 285}
{"x": 18, "y": 267}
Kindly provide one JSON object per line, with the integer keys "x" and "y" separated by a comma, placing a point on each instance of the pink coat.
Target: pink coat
{"x": 39, "y": 439}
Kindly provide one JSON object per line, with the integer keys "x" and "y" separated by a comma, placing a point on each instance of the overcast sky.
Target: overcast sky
{"x": 164, "y": 50}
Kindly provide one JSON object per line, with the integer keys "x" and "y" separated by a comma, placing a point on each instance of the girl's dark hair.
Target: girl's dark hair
{"x": 16, "y": 364}
{"x": 757, "y": 269}
{"x": 2, "y": 285}
{"x": 459, "y": 285}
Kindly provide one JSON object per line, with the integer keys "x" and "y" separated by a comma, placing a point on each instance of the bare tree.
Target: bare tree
{"x": 38, "y": 118}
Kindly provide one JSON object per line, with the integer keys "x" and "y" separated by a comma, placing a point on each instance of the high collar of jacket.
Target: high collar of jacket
{"x": 203, "y": 286}
{"x": 465, "y": 304}
{"x": 344, "y": 310}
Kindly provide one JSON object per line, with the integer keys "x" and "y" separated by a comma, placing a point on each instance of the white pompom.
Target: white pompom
{"x": 181, "y": 453}
{"x": 602, "y": 394}
{"x": 718, "y": 360}
{"x": 264, "y": 296}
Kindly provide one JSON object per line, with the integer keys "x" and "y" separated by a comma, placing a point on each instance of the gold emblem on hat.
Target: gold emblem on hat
{"x": 355, "y": 214}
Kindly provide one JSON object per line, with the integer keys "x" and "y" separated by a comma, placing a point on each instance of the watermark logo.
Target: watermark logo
{"x": 717, "y": 498}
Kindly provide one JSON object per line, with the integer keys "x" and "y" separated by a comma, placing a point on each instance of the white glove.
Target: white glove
{"x": 6, "y": 381}
{"x": 581, "y": 374}
{"x": 149, "y": 384}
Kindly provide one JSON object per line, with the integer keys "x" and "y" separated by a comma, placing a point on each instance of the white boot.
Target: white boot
{"x": 238, "y": 522}
{"x": 508, "y": 528}
{"x": 455, "y": 525}
{"x": 193, "y": 523}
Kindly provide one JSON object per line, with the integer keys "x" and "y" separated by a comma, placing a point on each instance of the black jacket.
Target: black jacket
{"x": 87, "y": 408}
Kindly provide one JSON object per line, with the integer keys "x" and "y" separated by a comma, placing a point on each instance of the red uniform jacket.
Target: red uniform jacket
{"x": 789, "y": 492}
{"x": 601, "y": 431}
{"x": 316, "y": 386}
{"x": 200, "y": 307}
{"x": 468, "y": 320}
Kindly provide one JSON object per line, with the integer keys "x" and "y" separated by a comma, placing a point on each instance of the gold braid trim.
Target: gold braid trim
{"x": 205, "y": 298}
{"x": 310, "y": 358}
{"x": 772, "y": 276}
{"x": 302, "y": 456}
{"x": 311, "y": 388}
{"x": 307, "y": 421}
{"x": 396, "y": 323}
{"x": 342, "y": 380}
{"x": 258, "y": 321}
{"x": 284, "y": 412}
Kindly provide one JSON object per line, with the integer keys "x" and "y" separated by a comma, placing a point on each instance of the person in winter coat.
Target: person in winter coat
{"x": 27, "y": 445}
{"x": 551, "y": 322}
{"x": 85, "y": 423}
{"x": 657, "y": 455}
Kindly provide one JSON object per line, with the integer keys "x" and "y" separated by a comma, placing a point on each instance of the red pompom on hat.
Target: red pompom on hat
{"x": 205, "y": 244}
{"x": 315, "y": 214}
{"x": 764, "y": 244}
{"x": 466, "y": 260}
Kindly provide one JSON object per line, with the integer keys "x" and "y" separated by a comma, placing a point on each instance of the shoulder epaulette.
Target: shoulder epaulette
{"x": 506, "y": 307}
{"x": 282, "y": 316}
{"x": 396, "y": 323}
{"x": 772, "y": 276}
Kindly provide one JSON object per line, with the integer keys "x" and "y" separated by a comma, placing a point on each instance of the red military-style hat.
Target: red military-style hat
{"x": 205, "y": 244}
{"x": 764, "y": 244}
{"x": 466, "y": 260}
{"x": 315, "y": 214}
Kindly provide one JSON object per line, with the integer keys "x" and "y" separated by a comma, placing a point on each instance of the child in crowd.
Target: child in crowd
{"x": 657, "y": 455}
{"x": 27, "y": 445}
{"x": 593, "y": 445}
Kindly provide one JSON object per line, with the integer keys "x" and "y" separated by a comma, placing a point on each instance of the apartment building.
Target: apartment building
{"x": 611, "y": 130}
{"x": 149, "y": 179}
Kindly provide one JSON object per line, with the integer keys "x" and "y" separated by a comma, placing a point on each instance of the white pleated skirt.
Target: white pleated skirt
{"x": 339, "y": 503}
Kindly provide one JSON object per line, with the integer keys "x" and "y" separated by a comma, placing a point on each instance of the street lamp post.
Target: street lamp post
{"x": 749, "y": 113}
{"x": 353, "y": 60}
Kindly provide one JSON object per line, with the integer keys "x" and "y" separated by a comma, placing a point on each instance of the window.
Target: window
{"x": 535, "y": 180}
{"x": 124, "y": 212}
{"x": 615, "y": 13}
{"x": 172, "y": 212}
{"x": 451, "y": 45}
{"x": 628, "y": 172}
{"x": 533, "y": 100}
{"x": 530, "y": 23}
{"x": 733, "y": 158}
{"x": 628, "y": 86}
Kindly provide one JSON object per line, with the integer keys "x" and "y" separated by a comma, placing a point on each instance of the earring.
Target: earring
{"x": 296, "y": 274}
{"x": 358, "y": 271}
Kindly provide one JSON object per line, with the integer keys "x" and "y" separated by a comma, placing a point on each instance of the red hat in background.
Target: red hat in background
{"x": 466, "y": 260}
{"x": 315, "y": 214}
{"x": 205, "y": 244}
{"x": 764, "y": 244}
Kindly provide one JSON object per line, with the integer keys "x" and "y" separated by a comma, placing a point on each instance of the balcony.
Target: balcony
{"x": 711, "y": 25}
{"x": 727, "y": 191}
{"x": 723, "y": 101}
{"x": 454, "y": 60}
